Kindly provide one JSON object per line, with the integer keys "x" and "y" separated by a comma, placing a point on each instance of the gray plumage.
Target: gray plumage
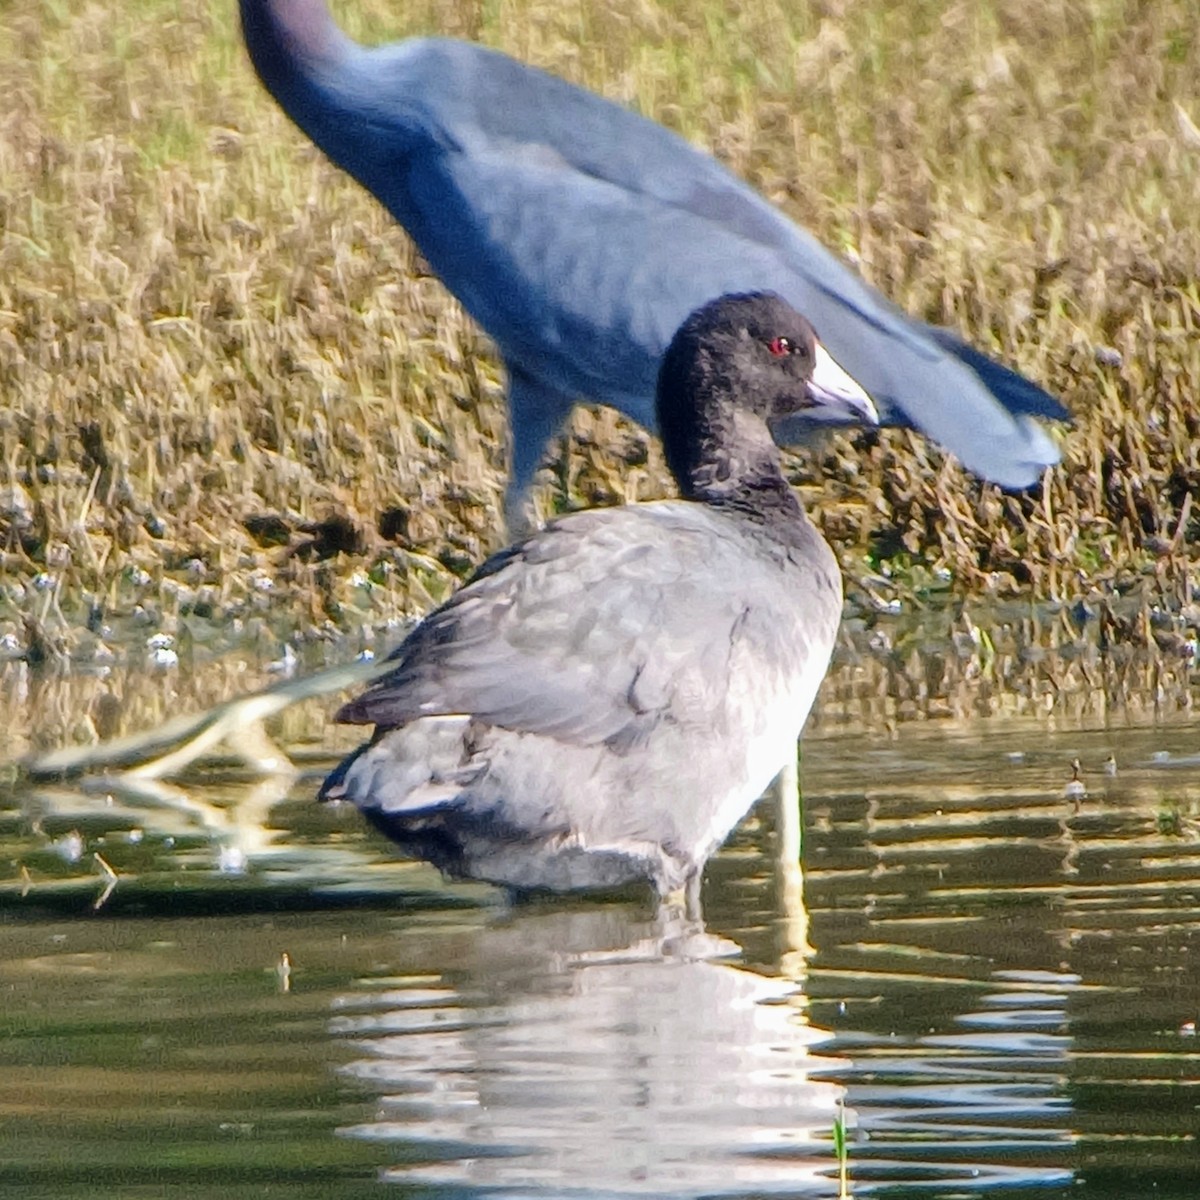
{"x": 605, "y": 699}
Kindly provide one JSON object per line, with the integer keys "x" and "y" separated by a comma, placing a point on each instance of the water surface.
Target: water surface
{"x": 219, "y": 987}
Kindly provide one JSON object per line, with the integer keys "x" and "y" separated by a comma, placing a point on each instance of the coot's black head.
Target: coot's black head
{"x": 737, "y": 364}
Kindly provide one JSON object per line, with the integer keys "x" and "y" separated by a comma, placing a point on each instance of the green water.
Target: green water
{"x": 997, "y": 982}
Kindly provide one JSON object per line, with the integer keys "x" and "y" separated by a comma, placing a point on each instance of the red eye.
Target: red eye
{"x": 781, "y": 346}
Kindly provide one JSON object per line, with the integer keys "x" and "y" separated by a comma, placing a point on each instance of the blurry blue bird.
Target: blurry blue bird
{"x": 579, "y": 235}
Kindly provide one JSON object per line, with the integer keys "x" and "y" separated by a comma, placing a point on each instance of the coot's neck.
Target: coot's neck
{"x": 719, "y": 453}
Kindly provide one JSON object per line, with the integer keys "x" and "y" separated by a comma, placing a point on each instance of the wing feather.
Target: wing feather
{"x": 583, "y": 632}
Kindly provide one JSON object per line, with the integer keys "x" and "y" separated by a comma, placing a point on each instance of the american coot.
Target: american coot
{"x": 605, "y": 699}
{"x": 579, "y": 235}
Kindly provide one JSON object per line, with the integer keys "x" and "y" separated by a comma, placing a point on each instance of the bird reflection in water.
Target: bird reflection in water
{"x": 590, "y": 1050}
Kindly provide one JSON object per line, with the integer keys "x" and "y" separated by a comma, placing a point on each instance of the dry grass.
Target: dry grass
{"x": 228, "y": 385}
